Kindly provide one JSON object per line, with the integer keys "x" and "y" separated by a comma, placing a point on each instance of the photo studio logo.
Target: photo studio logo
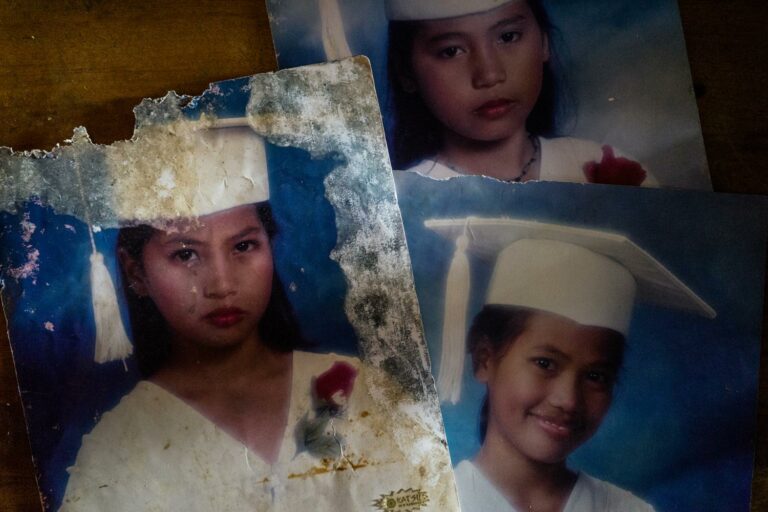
{"x": 404, "y": 500}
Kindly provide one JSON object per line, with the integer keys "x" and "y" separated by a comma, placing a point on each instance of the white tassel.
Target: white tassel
{"x": 332, "y": 28}
{"x": 454, "y": 325}
{"x": 111, "y": 341}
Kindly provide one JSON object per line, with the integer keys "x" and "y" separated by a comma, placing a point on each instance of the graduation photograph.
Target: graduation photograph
{"x": 516, "y": 89}
{"x": 594, "y": 347}
{"x": 219, "y": 313}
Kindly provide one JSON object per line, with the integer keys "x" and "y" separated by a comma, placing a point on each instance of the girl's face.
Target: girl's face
{"x": 210, "y": 279}
{"x": 480, "y": 75}
{"x": 550, "y": 389}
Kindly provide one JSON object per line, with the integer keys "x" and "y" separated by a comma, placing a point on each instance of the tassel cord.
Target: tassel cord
{"x": 334, "y": 37}
{"x": 452, "y": 354}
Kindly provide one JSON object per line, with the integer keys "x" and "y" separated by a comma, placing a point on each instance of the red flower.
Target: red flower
{"x": 334, "y": 386}
{"x": 612, "y": 170}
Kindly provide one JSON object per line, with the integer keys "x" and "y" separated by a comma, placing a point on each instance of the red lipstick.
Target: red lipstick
{"x": 224, "y": 317}
{"x": 494, "y": 109}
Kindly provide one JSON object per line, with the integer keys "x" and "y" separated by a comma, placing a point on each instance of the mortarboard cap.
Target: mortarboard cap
{"x": 590, "y": 276}
{"x": 420, "y": 10}
{"x": 189, "y": 169}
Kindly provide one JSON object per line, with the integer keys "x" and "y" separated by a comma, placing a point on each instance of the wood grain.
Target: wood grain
{"x": 88, "y": 62}
{"x": 728, "y": 56}
{"x": 729, "y": 62}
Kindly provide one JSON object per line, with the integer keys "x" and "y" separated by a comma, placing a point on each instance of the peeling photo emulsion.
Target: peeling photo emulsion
{"x": 517, "y": 89}
{"x": 598, "y": 343}
{"x": 219, "y": 313}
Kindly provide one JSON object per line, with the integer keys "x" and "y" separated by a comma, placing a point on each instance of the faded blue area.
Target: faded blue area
{"x": 307, "y": 231}
{"x": 625, "y": 73}
{"x": 63, "y": 391}
{"x": 681, "y": 429}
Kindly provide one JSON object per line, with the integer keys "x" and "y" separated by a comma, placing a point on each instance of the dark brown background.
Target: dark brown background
{"x": 65, "y": 63}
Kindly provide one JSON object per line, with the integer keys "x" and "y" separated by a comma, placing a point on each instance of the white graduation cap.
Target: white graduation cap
{"x": 333, "y": 33}
{"x": 420, "y": 10}
{"x": 201, "y": 167}
{"x": 590, "y": 276}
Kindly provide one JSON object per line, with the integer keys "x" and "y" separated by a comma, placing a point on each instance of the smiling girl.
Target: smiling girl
{"x": 548, "y": 346}
{"x": 474, "y": 92}
{"x": 550, "y": 383}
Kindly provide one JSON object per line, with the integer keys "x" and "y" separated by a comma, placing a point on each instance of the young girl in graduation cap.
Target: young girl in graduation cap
{"x": 548, "y": 345}
{"x": 474, "y": 91}
{"x": 231, "y": 414}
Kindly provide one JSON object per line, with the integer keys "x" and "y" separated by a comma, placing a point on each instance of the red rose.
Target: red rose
{"x": 334, "y": 386}
{"x": 612, "y": 170}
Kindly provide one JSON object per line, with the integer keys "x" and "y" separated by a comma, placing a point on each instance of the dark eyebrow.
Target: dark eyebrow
{"x": 250, "y": 230}
{"x": 605, "y": 363}
{"x": 444, "y": 36}
{"x": 514, "y": 20}
{"x": 552, "y": 350}
{"x": 180, "y": 239}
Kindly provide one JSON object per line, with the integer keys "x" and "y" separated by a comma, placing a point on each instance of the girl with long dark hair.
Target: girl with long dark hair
{"x": 475, "y": 90}
{"x": 231, "y": 414}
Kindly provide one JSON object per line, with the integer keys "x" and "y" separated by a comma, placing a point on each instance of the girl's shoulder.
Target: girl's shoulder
{"x": 319, "y": 361}
{"x": 133, "y": 443}
{"x": 574, "y": 160}
{"x": 433, "y": 169}
{"x": 591, "y": 493}
{"x": 563, "y": 158}
{"x": 476, "y": 492}
{"x": 136, "y": 409}
{"x": 144, "y": 418}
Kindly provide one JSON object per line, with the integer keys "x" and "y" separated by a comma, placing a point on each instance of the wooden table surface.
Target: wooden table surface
{"x": 65, "y": 63}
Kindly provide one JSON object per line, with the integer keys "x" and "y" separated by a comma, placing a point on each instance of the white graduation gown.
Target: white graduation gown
{"x": 562, "y": 159}
{"x": 154, "y": 452}
{"x": 478, "y": 494}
